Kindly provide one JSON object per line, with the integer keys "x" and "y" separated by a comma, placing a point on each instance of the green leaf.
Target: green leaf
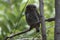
{"x": 4, "y": 27}
{"x": 11, "y": 17}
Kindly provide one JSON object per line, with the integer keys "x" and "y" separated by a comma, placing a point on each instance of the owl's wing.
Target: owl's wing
{"x": 38, "y": 15}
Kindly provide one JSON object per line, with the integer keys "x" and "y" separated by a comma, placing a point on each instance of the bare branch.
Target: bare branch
{"x": 43, "y": 27}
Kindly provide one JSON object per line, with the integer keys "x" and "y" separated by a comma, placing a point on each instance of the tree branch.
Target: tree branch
{"x": 17, "y": 34}
{"x": 43, "y": 26}
{"x": 48, "y": 20}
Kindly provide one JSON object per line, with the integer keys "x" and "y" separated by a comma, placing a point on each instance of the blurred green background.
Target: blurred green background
{"x": 12, "y": 18}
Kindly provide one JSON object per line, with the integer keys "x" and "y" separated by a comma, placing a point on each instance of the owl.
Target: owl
{"x": 32, "y": 17}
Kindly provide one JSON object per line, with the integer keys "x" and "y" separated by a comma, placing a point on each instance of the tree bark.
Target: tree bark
{"x": 43, "y": 27}
{"x": 57, "y": 20}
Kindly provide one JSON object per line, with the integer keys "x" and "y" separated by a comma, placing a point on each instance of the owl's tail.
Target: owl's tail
{"x": 37, "y": 28}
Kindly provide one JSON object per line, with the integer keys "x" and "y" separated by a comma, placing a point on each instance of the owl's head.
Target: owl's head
{"x": 30, "y": 7}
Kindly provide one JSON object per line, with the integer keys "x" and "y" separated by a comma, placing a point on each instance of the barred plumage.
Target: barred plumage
{"x": 32, "y": 16}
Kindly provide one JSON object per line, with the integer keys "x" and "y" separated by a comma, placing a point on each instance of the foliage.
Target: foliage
{"x": 12, "y": 18}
